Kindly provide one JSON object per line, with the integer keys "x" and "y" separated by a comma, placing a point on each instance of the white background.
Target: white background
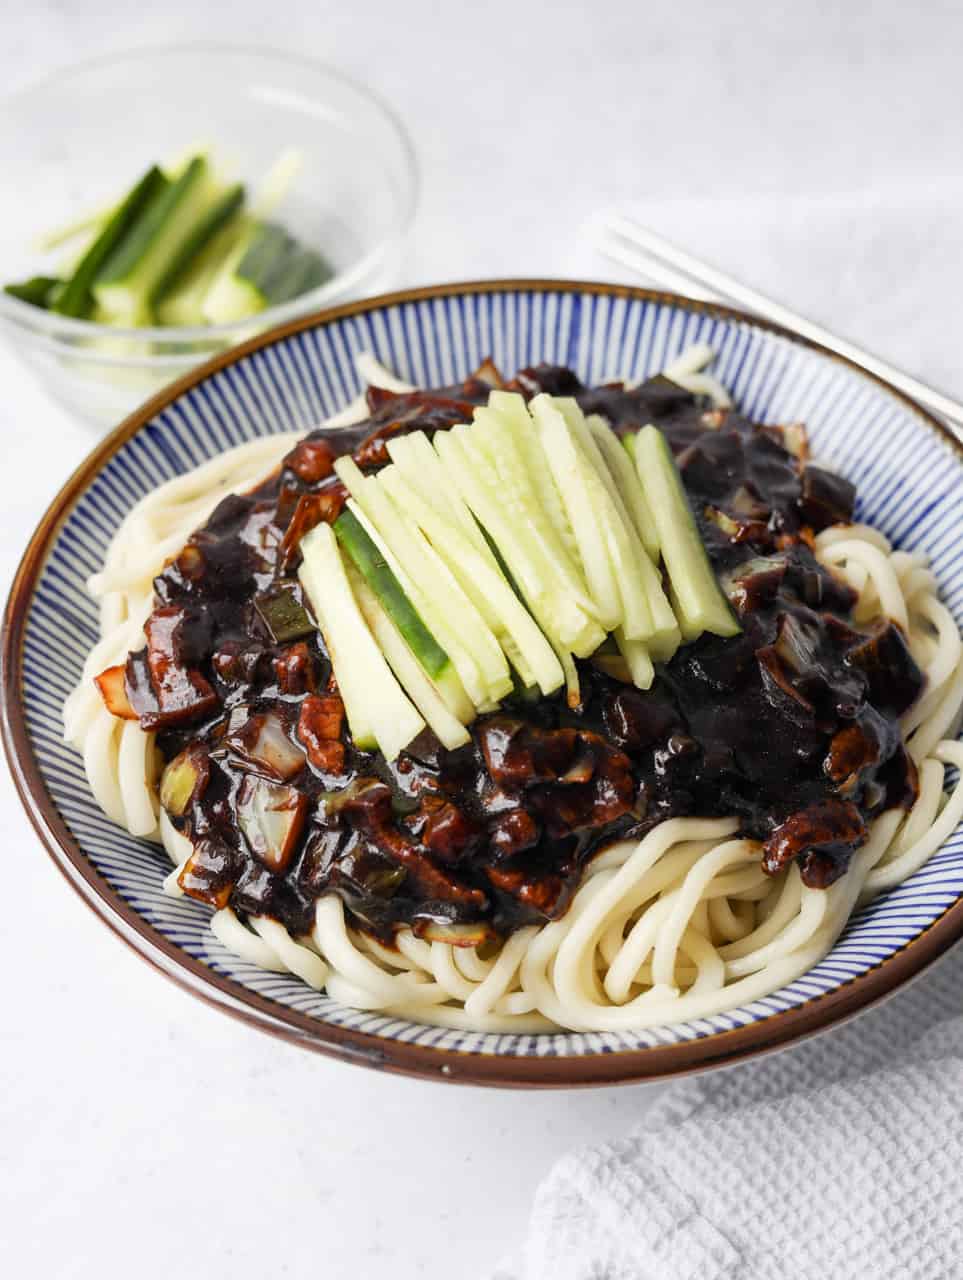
{"x": 812, "y": 148}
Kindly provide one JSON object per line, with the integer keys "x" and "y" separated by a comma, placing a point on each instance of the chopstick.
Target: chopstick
{"x": 624, "y": 241}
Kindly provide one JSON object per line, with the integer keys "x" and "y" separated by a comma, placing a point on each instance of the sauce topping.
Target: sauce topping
{"x": 792, "y": 726}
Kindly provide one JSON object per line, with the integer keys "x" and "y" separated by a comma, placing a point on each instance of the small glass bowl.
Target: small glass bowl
{"x": 69, "y": 144}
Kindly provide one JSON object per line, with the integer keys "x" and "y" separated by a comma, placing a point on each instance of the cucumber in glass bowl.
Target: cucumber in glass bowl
{"x": 346, "y": 212}
{"x": 181, "y": 230}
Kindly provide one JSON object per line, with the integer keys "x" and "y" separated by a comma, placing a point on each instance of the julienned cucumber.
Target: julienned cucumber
{"x": 475, "y": 571}
{"x": 619, "y": 462}
{"x": 625, "y": 548}
{"x": 180, "y": 248}
{"x": 379, "y": 711}
{"x": 38, "y": 290}
{"x": 302, "y": 271}
{"x": 266, "y": 267}
{"x": 700, "y": 603}
{"x": 451, "y": 733}
{"x": 207, "y": 227}
{"x": 76, "y": 297}
{"x": 411, "y": 573}
{"x": 377, "y": 573}
{"x": 259, "y": 255}
{"x": 582, "y": 500}
{"x": 184, "y": 303}
{"x": 125, "y": 286}
{"x": 476, "y": 656}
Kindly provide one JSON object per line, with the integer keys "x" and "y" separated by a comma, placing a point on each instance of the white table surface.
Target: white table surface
{"x": 812, "y": 148}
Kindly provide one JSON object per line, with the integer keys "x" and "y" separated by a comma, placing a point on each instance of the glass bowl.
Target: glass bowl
{"x": 75, "y": 140}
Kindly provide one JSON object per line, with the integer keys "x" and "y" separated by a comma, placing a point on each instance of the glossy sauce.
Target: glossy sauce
{"x": 792, "y": 725}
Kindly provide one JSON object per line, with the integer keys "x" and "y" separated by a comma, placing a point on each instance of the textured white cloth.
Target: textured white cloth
{"x": 840, "y": 1158}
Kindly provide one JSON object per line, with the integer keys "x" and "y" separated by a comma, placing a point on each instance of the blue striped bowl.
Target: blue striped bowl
{"x": 909, "y": 473}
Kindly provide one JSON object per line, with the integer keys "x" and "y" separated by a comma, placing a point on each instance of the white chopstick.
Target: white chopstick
{"x": 625, "y": 241}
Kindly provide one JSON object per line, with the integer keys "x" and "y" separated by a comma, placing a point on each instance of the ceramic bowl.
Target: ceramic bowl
{"x": 909, "y": 473}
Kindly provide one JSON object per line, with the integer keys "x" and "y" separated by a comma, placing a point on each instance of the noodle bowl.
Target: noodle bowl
{"x": 681, "y": 924}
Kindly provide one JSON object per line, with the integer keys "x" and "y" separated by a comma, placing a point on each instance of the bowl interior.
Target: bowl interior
{"x": 910, "y": 481}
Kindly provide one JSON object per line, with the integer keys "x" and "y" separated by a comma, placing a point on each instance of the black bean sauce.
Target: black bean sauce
{"x": 791, "y": 726}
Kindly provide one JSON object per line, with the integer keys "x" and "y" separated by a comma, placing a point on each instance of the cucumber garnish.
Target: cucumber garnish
{"x": 700, "y": 603}
{"x": 377, "y": 572}
{"x": 76, "y": 298}
{"x": 379, "y": 712}
{"x": 38, "y": 290}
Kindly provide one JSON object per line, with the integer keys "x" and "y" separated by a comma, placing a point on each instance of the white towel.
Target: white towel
{"x": 840, "y": 1158}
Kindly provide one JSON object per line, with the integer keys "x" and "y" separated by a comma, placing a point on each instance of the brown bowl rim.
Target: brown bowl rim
{"x": 660, "y": 1062}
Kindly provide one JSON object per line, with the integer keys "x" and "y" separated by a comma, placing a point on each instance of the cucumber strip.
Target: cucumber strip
{"x": 563, "y": 654}
{"x": 510, "y": 406}
{"x": 564, "y": 622}
{"x": 184, "y": 304}
{"x": 567, "y": 621}
{"x": 184, "y": 259}
{"x": 626, "y": 554}
{"x": 378, "y": 709}
{"x": 38, "y": 290}
{"x": 299, "y": 272}
{"x": 581, "y": 504}
{"x": 449, "y": 682}
{"x": 376, "y": 571}
{"x": 231, "y": 297}
{"x": 408, "y": 559}
{"x": 534, "y": 578}
{"x": 421, "y": 467}
{"x": 666, "y": 635}
{"x": 623, "y": 473}
{"x": 637, "y": 659}
{"x": 516, "y": 490}
{"x": 474, "y": 651}
{"x": 276, "y": 183}
{"x": 316, "y": 576}
{"x": 266, "y": 267}
{"x": 625, "y": 548}
{"x": 125, "y": 285}
{"x": 700, "y": 603}
{"x": 450, "y": 732}
{"x": 416, "y": 461}
{"x": 175, "y": 164}
{"x": 232, "y": 294}
{"x": 76, "y": 298}
{"x": 453, "y": 510}
{"x": 461, "y": 556}
{"x": 268, "y": 247}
